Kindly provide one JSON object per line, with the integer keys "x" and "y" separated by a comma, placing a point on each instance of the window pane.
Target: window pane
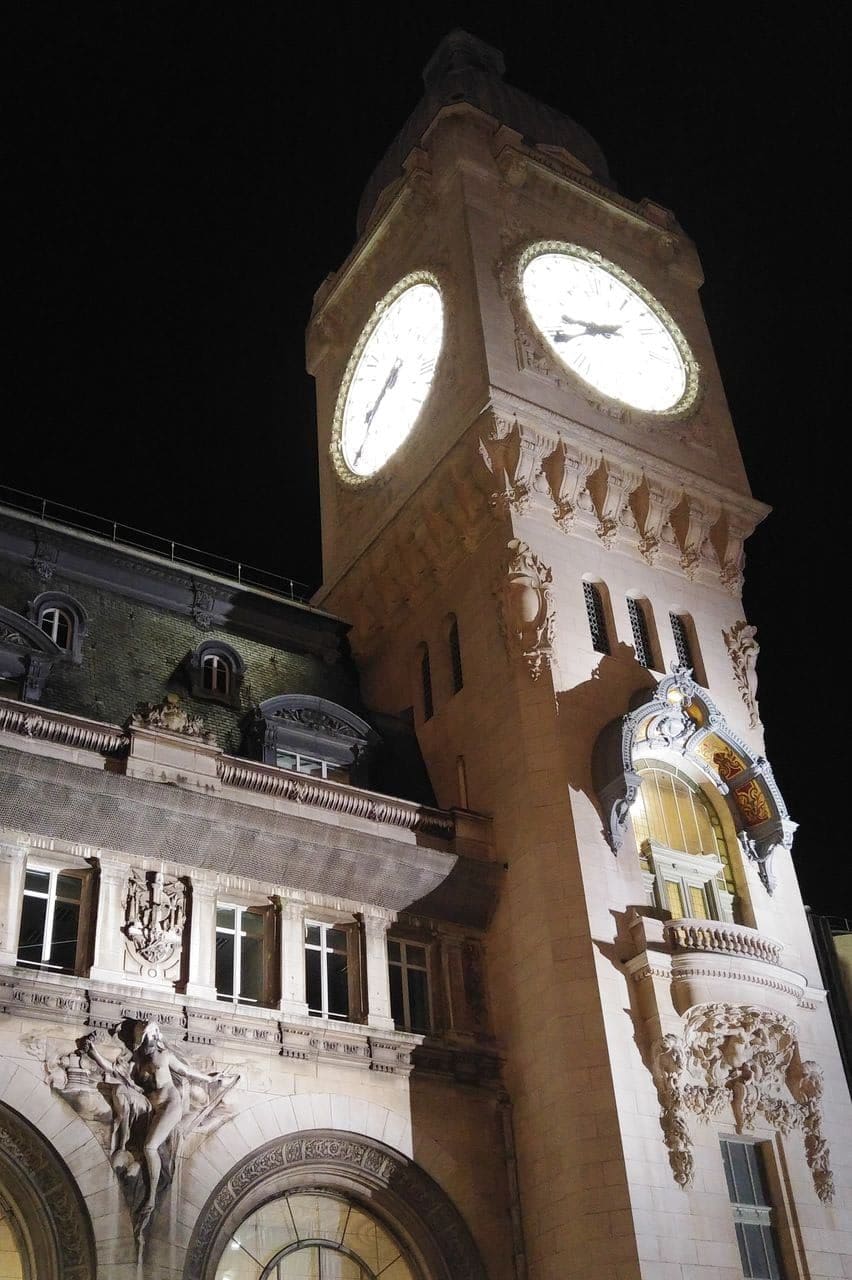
{"x": 251, "y": 962}
{"x": 418, "y": 1000}
{"x": 698, "y": 903}
{"x": 307, "y": 764}
{"x": 303, "y": 1265}
{"x": 252, "y": 923}
{"x": 38, "y": 881}
{"x": 674, "y": 899}
{"x": 415, "y": 956}
{"x": 225, "y": 917}
{"x": 336, "y": 1266}
{"x": 336, "y": 940}
{"x": 68, "y": 888}
{"x": 313, "y": 934}
{"x": 741, "y": 1173}
{"x": 66, "y": 921}
{"x": 32, "y": 929}
{"x": 338, "y": 985}
{"x": 337, "y": 773}
{"x": 225, "y": 964}
{"x": 313, "y": 981}
{"x": 393, "y": 951}
{"x": 285, "y": 760}
{"x": 397, "y": 1006}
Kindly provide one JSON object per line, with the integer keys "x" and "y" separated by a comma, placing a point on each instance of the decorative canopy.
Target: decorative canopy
{"x": 679, "y": 716}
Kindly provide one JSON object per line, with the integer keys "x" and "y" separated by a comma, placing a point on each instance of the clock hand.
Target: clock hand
{"x": 589, "y": 330}
{"x": 390, "y": 381}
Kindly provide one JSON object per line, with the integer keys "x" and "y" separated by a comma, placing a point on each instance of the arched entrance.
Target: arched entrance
{"x": 330, "y": 1205}
{"x": 45, "y": 1227}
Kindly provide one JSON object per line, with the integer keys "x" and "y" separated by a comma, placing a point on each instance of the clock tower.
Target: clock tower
{"x": 534, "y": 510}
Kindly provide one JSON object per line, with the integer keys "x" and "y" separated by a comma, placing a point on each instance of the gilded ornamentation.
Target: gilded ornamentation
{"x": 742, "y": 646}
{"x": 752, "y": 803}
{"x": 526, "y": 608}
{"x": 747, "y": 1058}
{"x": 721, "y": 756}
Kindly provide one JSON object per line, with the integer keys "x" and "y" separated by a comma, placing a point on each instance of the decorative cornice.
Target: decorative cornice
{"x": 337, "y": 797}
{"x": 64, "y": 729}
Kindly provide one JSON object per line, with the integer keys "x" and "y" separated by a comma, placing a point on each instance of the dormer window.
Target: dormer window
{"x": 216, "y": 672}
{"x": 57, "y": 624}
{"x": 313, "y": 736}
{"x": 62, "y": 620}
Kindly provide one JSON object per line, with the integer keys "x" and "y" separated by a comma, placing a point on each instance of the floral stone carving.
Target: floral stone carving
{"x": 747, "y": 1058}
{"x": 742, "y": 646}
{"x": 155, "y": 914}
{"x": 154, "y": 1099}
{"x": 526, "y": 608}
{"x": 170, "y": 716}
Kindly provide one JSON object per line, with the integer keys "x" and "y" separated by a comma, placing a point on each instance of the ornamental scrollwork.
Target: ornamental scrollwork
{"x": 745, "y": 1058}
{"x": 171, "y": 717}
{"x": 527, "y": 609}
{"x": 742, "y": 646}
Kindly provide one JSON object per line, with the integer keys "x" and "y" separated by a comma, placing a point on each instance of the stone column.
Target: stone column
{"x": 13, "y": 867}
{"x": 375, "y": 922}
{"x": 201, "y": 979}
{"x": 109, "y": 939}
{"x": 292, "y": 922}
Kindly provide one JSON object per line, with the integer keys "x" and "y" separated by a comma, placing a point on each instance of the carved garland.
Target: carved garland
{"x": 377, "y": 1170}
{"x": 746, "y": 1058}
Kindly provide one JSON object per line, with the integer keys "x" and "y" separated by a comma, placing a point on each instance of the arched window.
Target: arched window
{"x": 597, "y": 617}
{"x": 62, "y": 620}
{"x": 59, "y": 625}
{"x": 638, "y": 613}
{"x": 216, "y": 672}
{"x": 426, "y": 682}
{"x": 683, "y": 849}
{"x": 455, "y": 652}
{"x": 315, "y": 736}
{"x": 315, "y": 1234}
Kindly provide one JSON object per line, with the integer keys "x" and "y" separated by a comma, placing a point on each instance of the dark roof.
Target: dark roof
{"x": 465, "y": 69}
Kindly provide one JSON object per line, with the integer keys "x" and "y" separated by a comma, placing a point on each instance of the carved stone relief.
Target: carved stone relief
{"x": 527, "y": 609}
{"x": 745, "y": 1058}
{"x": 170, "y": 716}
{"x": 154, "y": 918}
{"x": 742, "y": 646}
{"x": 152, "y": 1097}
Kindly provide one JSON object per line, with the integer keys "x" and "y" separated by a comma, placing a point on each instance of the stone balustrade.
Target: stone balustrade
{"x": 722, "y": 938}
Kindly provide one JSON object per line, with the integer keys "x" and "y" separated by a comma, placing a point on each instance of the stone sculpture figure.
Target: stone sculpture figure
{"x": 150, "y": 1106}
{"x": 742, "y": 646}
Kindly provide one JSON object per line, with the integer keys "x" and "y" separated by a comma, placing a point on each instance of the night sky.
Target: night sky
{"x": 186, "y": 174}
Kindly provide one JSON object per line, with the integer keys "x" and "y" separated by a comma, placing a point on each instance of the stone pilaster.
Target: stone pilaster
{"x": 13, "y": 866}
{"x": 201, "y": 980}
{"x": 375, "y": 922}
{"x": 292, "y": 919}
{"x": 110, "y": 947}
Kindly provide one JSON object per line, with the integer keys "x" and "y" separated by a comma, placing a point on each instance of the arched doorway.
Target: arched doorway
{"x": 325, "y": 1205}
{"x": 45, "y": 1231}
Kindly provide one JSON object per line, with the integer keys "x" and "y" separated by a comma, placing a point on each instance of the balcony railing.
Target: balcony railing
{"x": 721, "y": 938}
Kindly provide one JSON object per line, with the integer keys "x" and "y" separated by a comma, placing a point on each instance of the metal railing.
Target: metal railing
{"x": 127, "y": 535}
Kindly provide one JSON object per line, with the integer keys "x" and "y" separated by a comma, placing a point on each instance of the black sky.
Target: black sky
{"x": 185, "y": 175}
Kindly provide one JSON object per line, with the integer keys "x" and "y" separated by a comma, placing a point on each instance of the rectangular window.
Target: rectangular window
{"x": 681, "y": 640}
{"x": 326, "y": 970}
{"x": 641, "y": 635}
{"x": 426, "y": 685}
{"x": 597, "y": 618}
{"x": 313, "y": 766}
{"x": 50, "y": 920}
{"x": 239, "y": 954}
{"x": 455, "y": 656}
{"x": 409, "y": 985}
{"x": 753, "y": 1212}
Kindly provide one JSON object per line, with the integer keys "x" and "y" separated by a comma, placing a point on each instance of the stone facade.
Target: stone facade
{"x": 465, "y": 979}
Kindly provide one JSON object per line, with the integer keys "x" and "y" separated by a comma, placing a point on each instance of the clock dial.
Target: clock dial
{"x": 607, "y": 329}
{"x": 389, "y": 376}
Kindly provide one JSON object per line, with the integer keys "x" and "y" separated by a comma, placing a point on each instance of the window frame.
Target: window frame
{"x": 596, "y": 615}
{"x": 641, "y": 627}
{"x": 349, "y": 929}
{"x": 62, "y": 604}
{"x": 230, "y": 660}
{"x": 763, "y": 1214}
{"x": 454, "y": 646}
{"x": 303, "y": 755}
{"x": 403, "y": 965}
{"x": 700, "y": 871}
{"x": 240, "y": 909}
{"x": 427, "y": 688}
{"x": 53, "y": 870}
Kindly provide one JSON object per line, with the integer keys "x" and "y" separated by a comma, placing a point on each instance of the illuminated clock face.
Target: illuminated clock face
{"x": 607, "y": 328}
{"x": 389, "y": 376}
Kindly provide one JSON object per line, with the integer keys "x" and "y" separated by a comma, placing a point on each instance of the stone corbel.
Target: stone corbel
{"x": 621, "y": 481}
{"x": 734, "y": 528}
{"x": 662, "y": 500}
{"x": 567, "y": 469}
{"x": 417, "y": 167}
{"x": 514, "y": 456}
{"x": 616, "y": 799}
{"x": 506, "y": 147}
{"x": 701, "y": 514}
{"x": 526, "y": 608}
